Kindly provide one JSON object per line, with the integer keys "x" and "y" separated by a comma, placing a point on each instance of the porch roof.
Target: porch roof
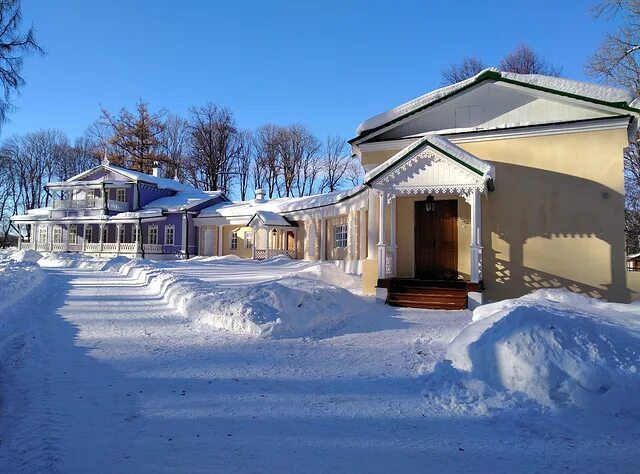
{"x": 451, "y": 168}
{"x": 269, "y": 219}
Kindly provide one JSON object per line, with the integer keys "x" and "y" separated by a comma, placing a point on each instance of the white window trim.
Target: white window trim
{"x": 88, "y": 234}
{"x": 73, "y": 234}
{"x": 121, "y": 193}
{"x": 42, "y": 235}
{"x": 149, "y": 233}
{"x": 57, "y": 234}
{"x": 172, "y": 228}
{"x": 248, "y": 240}
{"x": 340, "y": 236}
{"x": 233, "y": 241}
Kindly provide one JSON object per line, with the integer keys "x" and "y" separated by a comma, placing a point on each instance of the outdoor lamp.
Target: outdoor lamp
{"x": 430, "y": 204}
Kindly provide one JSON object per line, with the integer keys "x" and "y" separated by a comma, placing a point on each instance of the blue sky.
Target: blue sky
{"x": 326, "y": 64}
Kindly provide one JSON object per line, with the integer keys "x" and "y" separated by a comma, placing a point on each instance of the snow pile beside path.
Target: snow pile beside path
{"x": 331, "y": 274}
{"x": 26, "y": 256}
{"x": 17, "y": 279}
{"x": 85, "y": 262}
{"x": 552, "y": 347}
{"x": 288, "y": 307}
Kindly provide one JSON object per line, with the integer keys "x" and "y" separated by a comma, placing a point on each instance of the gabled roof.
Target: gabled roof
{"x": 270, "y": 219}
{"x": 184, "y": 200}
{"x": 162, "y": 183}
{"x": 441, "y": 145}
{"x": 593, "y": 93}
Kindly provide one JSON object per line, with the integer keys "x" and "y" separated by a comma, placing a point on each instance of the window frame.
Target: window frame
{"x": 73, "y": 232}
{"x": 122, "y": 234}
{"x": 248, "y": 240}
{"x": 119, "y": 195}
{"x": 154, "y": 228}
{"x": 57, "y": 234}
{"x": 340, "y": 236}
{"x": 105, "y": 234}
{"x": 172, "y": 228}
{"x": 88, "y": 234}
{"x": 233, "y": 240}
{"x": 42, "y": 234}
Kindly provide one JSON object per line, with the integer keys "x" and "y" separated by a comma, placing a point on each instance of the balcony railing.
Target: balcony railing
{"x": 119, "y": 206}
{"x": 88, "y": 203}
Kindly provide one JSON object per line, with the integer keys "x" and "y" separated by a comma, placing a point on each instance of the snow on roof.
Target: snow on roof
{"x": 183, "y": 200}
{"x": 279, "y": 205}
{"x": 595, "y": 92}
{"x": 271, "y": 219}
{"x": 163, "y": 183}
{"x": 442, "y": 145}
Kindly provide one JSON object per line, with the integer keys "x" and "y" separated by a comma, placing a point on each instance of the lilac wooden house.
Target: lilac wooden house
{"x": 109, "y": 210}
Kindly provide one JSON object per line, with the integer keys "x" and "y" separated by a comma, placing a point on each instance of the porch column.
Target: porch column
{"x": 50, "y": 237}
{"x": 382, "y": 246}
{"x": 253, "y": 243}
{"x": 362, "y": 251}
{"x": 35, "y": 235}
{"x": 323, "y": 239}
{"x": 220, "y": 239}
{"x": 266, "y": 257}
{"x": 136, "y": 229}
{"x": 183, "y": 235}
{"x": 65, "y": 236}
{"x": 101, "y": 236}
{"x": 84, "y": 238}
{"x": 393, "y": 244}
{"x": 118, "y": 227}
{"x": 372, "y": 229}
{"x": 476, "y": 239}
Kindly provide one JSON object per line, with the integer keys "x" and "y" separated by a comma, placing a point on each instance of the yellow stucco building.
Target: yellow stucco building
{"x": 486, "y": 189}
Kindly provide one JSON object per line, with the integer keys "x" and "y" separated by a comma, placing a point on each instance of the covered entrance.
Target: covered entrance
{"x": 435, "y": 174}
{"x": 436, "y": 239}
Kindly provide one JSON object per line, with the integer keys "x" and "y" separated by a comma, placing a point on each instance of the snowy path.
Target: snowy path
{"x": 98, "y": 375}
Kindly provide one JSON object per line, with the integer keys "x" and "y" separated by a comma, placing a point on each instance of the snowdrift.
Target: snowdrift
{"x": 76, "y": 260}
{"x": 17, "y": 278}
{"x": 552, "y": 347}
{"x": 287, "y": 307}
{"x": 25, "y": 256}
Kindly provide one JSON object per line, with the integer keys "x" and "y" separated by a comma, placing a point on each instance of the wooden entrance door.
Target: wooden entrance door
{"x": 436, "y": 240}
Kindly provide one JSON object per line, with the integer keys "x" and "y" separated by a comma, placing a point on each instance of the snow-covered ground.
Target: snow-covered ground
{"x": 107, "y": 370}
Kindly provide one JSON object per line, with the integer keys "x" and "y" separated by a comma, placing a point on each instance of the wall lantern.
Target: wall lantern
{"x": 430, "y": 204}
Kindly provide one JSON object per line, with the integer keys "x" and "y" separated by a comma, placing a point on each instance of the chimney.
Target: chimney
{"x": 259, "y": 195}
{"x": 157, "y": 171}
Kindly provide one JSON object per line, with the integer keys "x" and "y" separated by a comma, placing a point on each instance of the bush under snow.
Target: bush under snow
{"x": 552, "y": 347}
{"x": 287, "y": 307}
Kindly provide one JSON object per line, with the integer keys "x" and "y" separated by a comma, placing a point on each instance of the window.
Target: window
{"x": 73, "y": 234}
{"x": 88, "y": 234}
{"x": 340, "y": 235}
{"x": 42, "y": 235}
{"x": 91, "y": 194}
{"x": 169, "y": 234}
{"x": 248, "y": 240}
{"x": 120, "y": 195}
{"x": 121, "y": 234}
{"x": 57, "y": 235}
{"x": 153, "y": 234}
{"x": 105, "y": 233}
{"x": 234, "y": 241}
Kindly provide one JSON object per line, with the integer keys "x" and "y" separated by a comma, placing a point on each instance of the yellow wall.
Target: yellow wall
{"x": 242, "y": 250}
{"x": 556, "y": 218}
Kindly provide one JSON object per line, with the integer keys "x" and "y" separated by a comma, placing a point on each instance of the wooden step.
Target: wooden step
{"x": 429, "y": 294}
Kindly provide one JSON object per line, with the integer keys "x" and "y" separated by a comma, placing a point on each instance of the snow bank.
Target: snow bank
{"x": 76, "y": 260}
{"x": 26, "y": 256}
{"x": 17, "y": 278}
{"x": 554, "y": 348}
{"x": 288, "y": 307}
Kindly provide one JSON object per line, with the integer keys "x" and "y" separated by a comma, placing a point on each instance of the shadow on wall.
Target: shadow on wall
{"x": 552, "y": 230}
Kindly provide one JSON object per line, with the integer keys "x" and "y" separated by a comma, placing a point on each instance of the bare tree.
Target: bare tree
{"x": 14, "y": 46}
{"x": 266, "y": 162}
{"x": 335, "y": 164}
{"x": 617, "y": 62}
{"x": 137, "y": 136}
{"x": 470, "y": 66}
{"x": 244, "y": 162}
{"x": 174, "y": 141}
{"x": 524, "y": 60}
{"x": 214, "y": 147}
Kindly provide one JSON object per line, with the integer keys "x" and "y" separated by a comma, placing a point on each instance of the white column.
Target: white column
{"x": 476, "y": 240}
{"x": 101, "y": 236}
{"x": 323, "y": 239}
{"x": 372, "y": 228}
{"x": 268, "y": 243}
{"x": 253, "y": 243}
{"x": 393, "y": 244}
{"x": 84, "y": 237}
{"x": 362, "y": 252}
{"x": 220, "y": 239}
{"x": 183, "y": 235}
{"x": 50, "y": 237}
{"x": 118, "y": 227}
{"x": 382, "y": 246}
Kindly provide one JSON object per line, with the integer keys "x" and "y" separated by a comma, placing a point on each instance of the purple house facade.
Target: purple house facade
{"x": 109, "y": 210}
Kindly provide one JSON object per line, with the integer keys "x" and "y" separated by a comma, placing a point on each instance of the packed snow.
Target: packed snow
{"x": 115, "y": 365}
